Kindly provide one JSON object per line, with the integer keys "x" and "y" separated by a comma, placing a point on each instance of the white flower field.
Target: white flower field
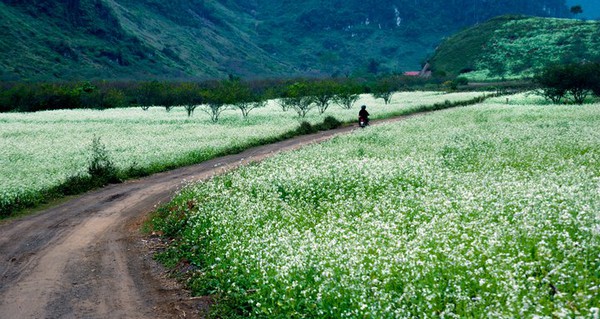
{"x": 490, "y": 211}
{"x": 41, "y": 150}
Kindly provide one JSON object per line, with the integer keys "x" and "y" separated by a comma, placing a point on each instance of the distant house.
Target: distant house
{"x": 425, "y": 73}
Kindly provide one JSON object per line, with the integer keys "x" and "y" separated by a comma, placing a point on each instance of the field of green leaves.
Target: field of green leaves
{"x": 41, "y": 150}
{"x": 485, "y": 211}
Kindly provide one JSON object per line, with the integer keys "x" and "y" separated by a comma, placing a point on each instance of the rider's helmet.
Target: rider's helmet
{"x": 363, "y": 107}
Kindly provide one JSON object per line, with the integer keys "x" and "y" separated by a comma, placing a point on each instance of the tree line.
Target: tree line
{"x": 213, "y": 97}
{"x": 573, "y": 82}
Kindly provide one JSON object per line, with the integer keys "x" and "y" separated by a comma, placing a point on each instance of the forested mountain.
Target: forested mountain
{"x": 126, "y": 39}
{"x": 332, "y": 36}
{"x": 517, "y": 47}
{"x": 133, "y": 39}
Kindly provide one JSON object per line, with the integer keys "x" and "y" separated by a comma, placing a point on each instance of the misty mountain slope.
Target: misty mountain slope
{"x": 146, "y": 39}
{"x": 517, "y": 46}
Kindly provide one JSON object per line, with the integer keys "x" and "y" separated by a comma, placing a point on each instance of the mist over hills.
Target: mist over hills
{"x": 182, "y": 39}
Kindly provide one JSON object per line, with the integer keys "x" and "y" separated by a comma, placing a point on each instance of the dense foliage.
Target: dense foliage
{"x": 338, "y": 37}
{"x": 127, "y": 39}
{"x": 575, "y": 81}
{"x": 141, "y": 39}
{"x": 516, "y": 47}
{"x": 244, "y": 95}
{"x": 486, "y": 211}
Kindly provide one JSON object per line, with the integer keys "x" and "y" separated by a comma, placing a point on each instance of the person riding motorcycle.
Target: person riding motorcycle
{"x": 363, "y": 115}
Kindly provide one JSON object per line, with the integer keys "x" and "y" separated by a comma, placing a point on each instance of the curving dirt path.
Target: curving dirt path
{"x": 87, "y": 259}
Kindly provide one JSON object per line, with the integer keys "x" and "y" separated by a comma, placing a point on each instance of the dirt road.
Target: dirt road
{"x": 87, "y": 259}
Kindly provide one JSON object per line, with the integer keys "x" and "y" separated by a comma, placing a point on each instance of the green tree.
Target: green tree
{"x": 324, "y": 93}
{"x": 595, "y": 80}
{"x": 190, "y": 96}
{"x": 347, "y": 94}
{"x": 373, "y": 66}
{"x": 156, "y": 93}
{"x": 241, "y": 96}
{"x": 384, "y": 89}
{"x": 217, "y": 100}
{"x": 576, "y": 80}
{"x": 576, "y": 9}
{"x": 551, "y": 81}
{"x": 298, "y": 97}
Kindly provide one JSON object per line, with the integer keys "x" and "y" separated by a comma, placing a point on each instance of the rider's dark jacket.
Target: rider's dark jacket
{"x": 363, "y": 113}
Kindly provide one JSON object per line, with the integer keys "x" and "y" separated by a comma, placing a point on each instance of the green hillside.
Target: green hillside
{"x": 148, "y": 39}
{"x": 333, "y": 36}
{"x": 36, "y": 43}
{"x": 126, "y": 39}
{"x": 517, "y": 46}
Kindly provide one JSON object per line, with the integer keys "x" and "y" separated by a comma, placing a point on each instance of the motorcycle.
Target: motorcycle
{"x": 362, "y": 121}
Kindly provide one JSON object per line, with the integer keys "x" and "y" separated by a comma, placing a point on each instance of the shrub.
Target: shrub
{"x": 329, "y": 123}
{"x": 305, "y": 128}
{"x": 450, "y": 85}
{"x": 100, "y": 166}
{"x": 461, "y": 80}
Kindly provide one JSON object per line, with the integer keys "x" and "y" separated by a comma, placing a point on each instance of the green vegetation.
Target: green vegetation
{"x": 88, "y": 40}
{"x": 101, "y": 171}
{"x": 100, "y": 165}
{"x": 513, "y": 47}
{"x": 94, "y": 39}
{"x": 44, "y": 155}
{"x": 485, "y": 211}
{"x": 300, "y": 94}
{"x": 358, "y": 37}
{"x": 575, "y": 81}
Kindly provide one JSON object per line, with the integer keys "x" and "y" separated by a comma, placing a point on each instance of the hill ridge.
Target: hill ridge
{"x": 183, "y": 39}
{"x": 517, "y": 46}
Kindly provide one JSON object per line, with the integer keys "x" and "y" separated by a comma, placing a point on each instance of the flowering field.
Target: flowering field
{"x": 41, "y": 150}
{"x": 486, "y": 211}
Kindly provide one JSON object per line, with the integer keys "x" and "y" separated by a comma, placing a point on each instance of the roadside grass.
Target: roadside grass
{"x": 45, "y": 155}
{"x": 485, "y": 211}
